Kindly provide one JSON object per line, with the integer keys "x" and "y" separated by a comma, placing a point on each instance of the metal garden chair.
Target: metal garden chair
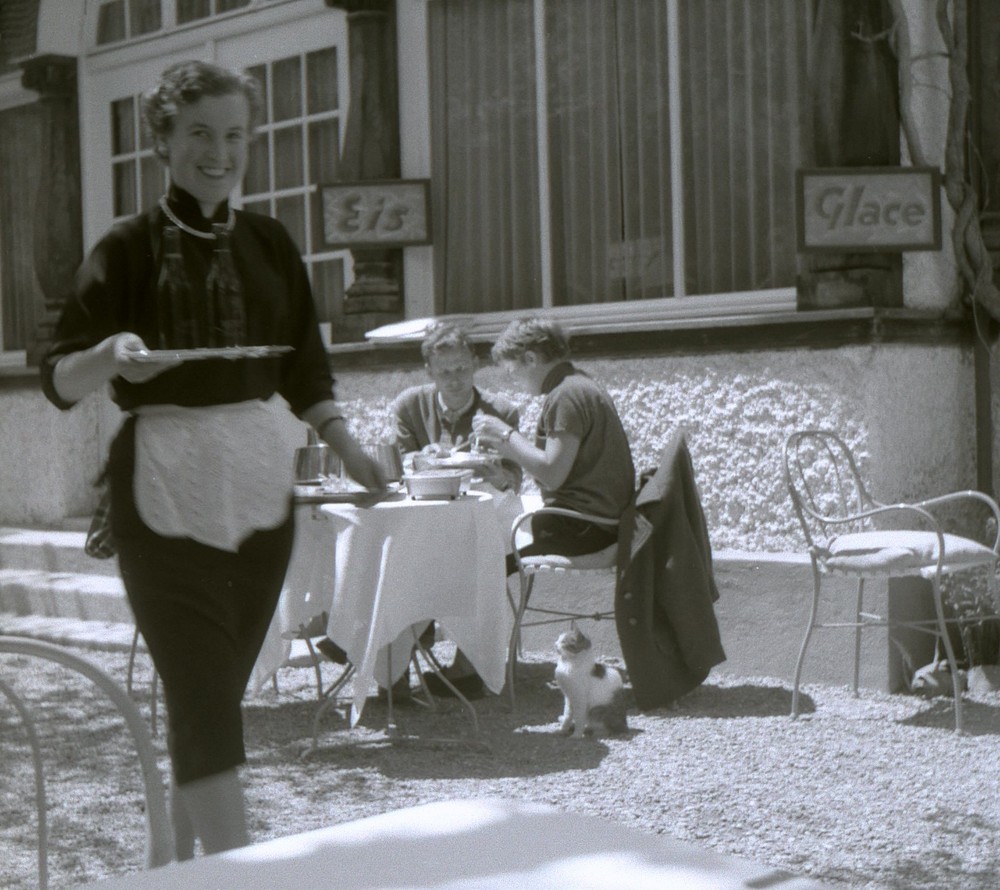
{"x": 603, "y": 562}
{"x": 837, "y": 515}
{"x": 159, "y": 833}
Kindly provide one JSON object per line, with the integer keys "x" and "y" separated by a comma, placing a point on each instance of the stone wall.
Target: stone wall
{"x": 907, "y": 409}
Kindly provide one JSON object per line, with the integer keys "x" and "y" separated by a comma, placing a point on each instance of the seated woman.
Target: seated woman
{"x": 580, "y": 455}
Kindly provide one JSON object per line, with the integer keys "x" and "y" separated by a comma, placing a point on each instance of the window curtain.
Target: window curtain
{"x": 21, "y": 146}
{"x": 745, "y": 98}
{"x": 484, "y": 142}
{"x": 609, "y": 150}
{"x": 743, "y": 101}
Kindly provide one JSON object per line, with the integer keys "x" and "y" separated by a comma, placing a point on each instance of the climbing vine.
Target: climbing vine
{"x": 971, "y": 255}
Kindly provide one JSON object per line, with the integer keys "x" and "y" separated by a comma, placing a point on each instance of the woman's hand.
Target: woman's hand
{"x": 327, "y": 419}
{"x": 360, "y": 467}
{"x": 127, "y": 350}
{"x": 79, "y": 373}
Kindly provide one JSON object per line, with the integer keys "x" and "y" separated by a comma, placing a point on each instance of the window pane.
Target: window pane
{"x": 328, "y": 288}
{"x": 257, "y": 179}
{"x": 124, "y": 188}
{"x": 191, "y": 10}
{"x": 484, "y": 150}
{"x": 152, "y": 181}
{"x": 288, "y": 172}
{"x": 111, "y": 22}
{"x": 743, "y": 103}
{"x": 609, "y": 150}
{"x": 259, "y": 73}
{"x": 287, "y": 88}
{"x": 292, "y": 214}
{"x": 227, "y": 5}
{"x": 123, "y": 126}
{"x": 324, "y": 151}
{"x": 321, "y": 80}
{"x": 144, "y": 16}
{"x": 584, "y": 159}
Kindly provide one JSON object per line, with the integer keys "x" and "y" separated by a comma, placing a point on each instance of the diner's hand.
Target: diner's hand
{"x": 494, "y": 474}
{"x": 490, "y": 431}
{"x": 127, "y": 350}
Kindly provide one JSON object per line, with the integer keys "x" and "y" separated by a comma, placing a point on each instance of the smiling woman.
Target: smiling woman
{"x": 201, "y": 472}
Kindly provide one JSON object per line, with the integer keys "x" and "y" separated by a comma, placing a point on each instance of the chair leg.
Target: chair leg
{"x": 515, "y": 636}
{"x": 949, "y": 651}
{"x": 859, "y": 604}
{"x": 154, "y": 695}
{"x": 131, "y": 659}
{"x": 805, "y": 641}
{"x": 316, "y": 660}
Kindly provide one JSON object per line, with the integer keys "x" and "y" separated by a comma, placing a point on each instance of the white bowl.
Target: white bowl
{"x": 434, "y": 484}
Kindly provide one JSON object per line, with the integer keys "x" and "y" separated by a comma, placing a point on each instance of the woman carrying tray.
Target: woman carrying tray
{"x": 201, "y": 472}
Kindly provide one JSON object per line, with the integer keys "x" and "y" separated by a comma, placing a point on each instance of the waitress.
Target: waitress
{"x": 200, "y": 473}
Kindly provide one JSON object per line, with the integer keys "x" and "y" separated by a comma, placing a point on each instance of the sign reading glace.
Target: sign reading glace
{"x": 883, "y": 209}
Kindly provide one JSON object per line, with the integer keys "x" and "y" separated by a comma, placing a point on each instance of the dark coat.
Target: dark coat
{"x": 665, "y": 591}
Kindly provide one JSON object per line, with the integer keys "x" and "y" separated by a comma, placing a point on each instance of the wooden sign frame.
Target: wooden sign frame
{"x": 376, "y": 213}
{"x": 868, "y": 209}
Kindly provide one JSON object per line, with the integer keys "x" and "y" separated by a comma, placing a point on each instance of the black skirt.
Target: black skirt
{"x": 203, "y": 613}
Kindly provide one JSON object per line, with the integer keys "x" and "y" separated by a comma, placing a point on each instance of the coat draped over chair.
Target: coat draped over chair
{"x": 665, "y": 589}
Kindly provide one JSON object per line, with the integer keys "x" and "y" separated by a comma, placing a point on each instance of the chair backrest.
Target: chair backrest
{"x": 159, "y": 833}
{"x": 823, "y": 482}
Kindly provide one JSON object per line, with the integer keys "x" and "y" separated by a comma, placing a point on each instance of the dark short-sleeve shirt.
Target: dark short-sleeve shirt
{"x": 602, "y": 478}
{"x": 115, "y": 291}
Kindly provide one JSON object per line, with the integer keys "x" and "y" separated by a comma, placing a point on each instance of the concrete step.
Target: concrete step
{"x": 64, "y": 594}
{"x": 51, "y": 550}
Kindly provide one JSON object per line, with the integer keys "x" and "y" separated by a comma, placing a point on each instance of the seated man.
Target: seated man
{"x": 436, "y": 417}
{"x": 580, "y": 456}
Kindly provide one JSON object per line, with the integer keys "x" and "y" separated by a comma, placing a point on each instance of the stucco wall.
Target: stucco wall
{"x": 908, "y": 410}
{"x": 48, "y": 458}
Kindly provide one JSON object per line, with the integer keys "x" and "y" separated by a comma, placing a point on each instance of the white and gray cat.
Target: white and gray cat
{"x": 594, "y": 692}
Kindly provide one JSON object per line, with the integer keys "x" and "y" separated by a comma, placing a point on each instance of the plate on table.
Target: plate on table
{"x": 316, "y": 494}
{"x": 462, "y": 460}
{"x": 190, "y": 355}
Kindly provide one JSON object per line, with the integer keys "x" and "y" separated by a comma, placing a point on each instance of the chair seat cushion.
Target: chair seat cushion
{"x": 587, "y": 562}
{"x": 901, "y": 552}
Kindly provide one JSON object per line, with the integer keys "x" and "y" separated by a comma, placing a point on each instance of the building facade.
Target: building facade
{"x": 625, "y": 165}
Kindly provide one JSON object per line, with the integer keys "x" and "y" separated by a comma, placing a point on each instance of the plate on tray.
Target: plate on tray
{"x": 228, "y": 352}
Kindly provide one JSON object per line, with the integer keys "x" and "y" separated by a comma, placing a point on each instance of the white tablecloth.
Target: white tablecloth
{"x": 468, "y": 845}
{"x": 381, "y": 569}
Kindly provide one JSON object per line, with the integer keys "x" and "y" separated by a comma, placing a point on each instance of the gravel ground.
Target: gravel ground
{"x": 874, "y": 792}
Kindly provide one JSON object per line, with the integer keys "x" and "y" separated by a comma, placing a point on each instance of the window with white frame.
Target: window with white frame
{"x": 297, "y": 147}
{"x": 121, "y": 20}
{"x": 607, "y": 151}
{"x": 138, "y": 177}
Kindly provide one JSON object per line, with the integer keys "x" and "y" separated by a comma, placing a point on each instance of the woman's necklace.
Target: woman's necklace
{"x": 230, "y": 222}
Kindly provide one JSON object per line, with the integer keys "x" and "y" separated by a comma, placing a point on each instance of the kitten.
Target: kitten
{"x": 594, "y": 693}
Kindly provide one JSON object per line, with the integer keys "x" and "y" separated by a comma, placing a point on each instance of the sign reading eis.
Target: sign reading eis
{"x": 869, "y": 209}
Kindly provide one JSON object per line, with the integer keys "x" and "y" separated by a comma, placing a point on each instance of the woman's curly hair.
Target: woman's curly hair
{"x": 186, "y": 83}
